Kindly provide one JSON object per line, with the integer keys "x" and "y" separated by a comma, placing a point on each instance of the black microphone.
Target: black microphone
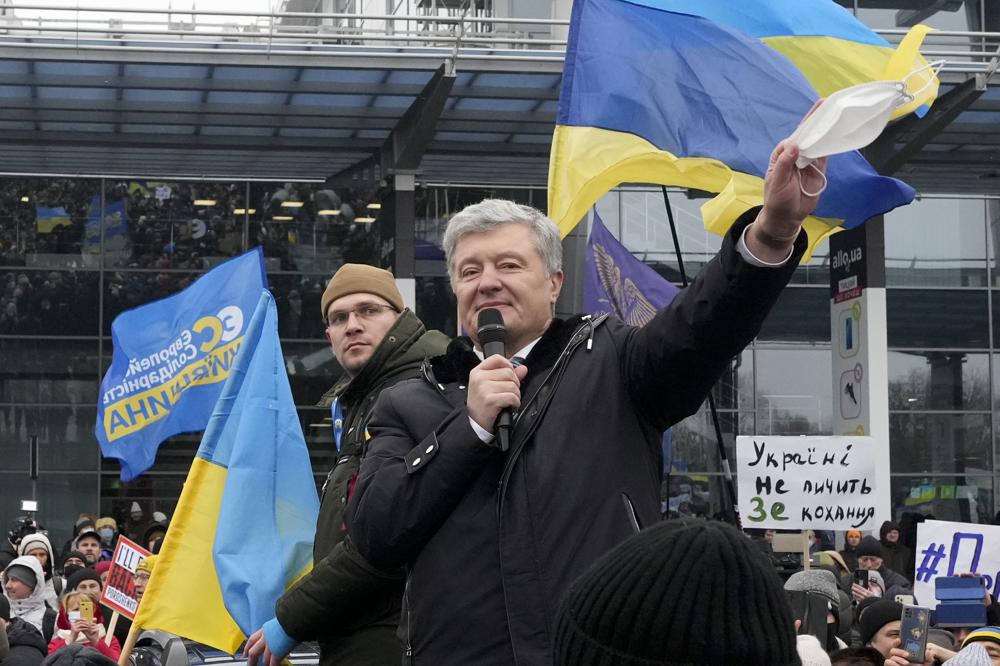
{"x": 492, "y": 336}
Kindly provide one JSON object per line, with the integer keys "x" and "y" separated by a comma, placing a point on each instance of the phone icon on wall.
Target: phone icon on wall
{"x": 849, "y": 339}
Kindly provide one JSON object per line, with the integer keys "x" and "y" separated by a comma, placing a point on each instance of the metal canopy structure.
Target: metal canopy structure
{"x": 295, "y": 96}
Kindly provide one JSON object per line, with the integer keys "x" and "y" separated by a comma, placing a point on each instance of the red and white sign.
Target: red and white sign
{"x": 119, "y": 591}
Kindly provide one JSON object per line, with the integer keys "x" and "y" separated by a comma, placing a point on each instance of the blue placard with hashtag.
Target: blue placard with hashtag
{"x": 951, "y": 549}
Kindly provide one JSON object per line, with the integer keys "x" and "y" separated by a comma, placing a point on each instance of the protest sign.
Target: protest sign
{"x": 119, "y": 591}
{"x": 820, "y": 483}
{"x": 948, "y": 549}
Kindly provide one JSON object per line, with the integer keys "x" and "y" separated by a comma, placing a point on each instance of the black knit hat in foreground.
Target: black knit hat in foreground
{"x": 678, "y": 594}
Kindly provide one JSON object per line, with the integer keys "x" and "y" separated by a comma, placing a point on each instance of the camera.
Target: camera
{"x": 22, "y": 527}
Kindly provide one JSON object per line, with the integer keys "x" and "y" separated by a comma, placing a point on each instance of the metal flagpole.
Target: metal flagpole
{"x": 723, "y": 458}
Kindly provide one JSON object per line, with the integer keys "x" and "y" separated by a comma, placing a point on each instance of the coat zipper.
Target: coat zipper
{"x": 560, "y": 363}
{"x": 409, "y": 619}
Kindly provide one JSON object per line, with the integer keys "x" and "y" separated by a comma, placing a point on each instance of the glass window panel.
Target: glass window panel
{"x": 938, "y": 380}
{"x": 937, "y": 318}
{"x": 61, "y": 497}
{"x": 645, "y": 231}
{"x": 694, "y": 445}
{"x": 940, "y": 443}
{"x": 800, "y": 315}
{"x": 695, "y": 496}
{"x": 172, "y": 224}
{"x": 312, "y": 370}
{"x": 48, "y": 302}
{"x": 936, "y": 243}
{"x": 158, "y": 492}
{"x": 436, "y": 304}
{"x": 309, "y": 227}
{"x": 65, "y": 436}
{"x": 794, "y": 391}
{"x": 964, "y": 499}
{"x": 993, "y": 236}
{"x": 42, "y": 221}
{"x": 47, "y": 370}
{"x": 298, "y": 299}
{"x": 734, "y": 390}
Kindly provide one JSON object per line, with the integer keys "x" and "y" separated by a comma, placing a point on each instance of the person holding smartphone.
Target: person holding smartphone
{"x": 80, "y": 621}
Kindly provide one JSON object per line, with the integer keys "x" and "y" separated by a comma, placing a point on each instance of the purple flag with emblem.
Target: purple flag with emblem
{"x": 616, "y": 282}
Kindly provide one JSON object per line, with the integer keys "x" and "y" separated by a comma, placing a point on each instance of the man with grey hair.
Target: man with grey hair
{"x": 491, "y": 539}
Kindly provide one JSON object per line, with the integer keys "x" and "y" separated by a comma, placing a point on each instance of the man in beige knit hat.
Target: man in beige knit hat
{"x": 346, "y": 604}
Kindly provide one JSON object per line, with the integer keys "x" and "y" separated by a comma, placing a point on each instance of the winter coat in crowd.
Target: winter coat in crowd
{"x": 33, "y": 609}
{"x": 26, "y": 647}
{"x": 492, "y": 540}
{"x": 53, "y": 581}
{"x": 78, "y": 654}
{"x": 111, "y": 650}
{"x": 895, "y": 556}
{"x": 346, "y": 604}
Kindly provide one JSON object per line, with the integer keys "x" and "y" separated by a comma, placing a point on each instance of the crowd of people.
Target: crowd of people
{"x": 51, "y": 602}
{"x": 865, "y": 617}
{"x": 482, "y": 510}
{"x": 45, "y": 287}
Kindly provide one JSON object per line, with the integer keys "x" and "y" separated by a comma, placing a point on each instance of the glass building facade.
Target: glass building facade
{"x": 941, "y": 261}
{"x": 64, "y": 277}
{"x": 63, "y": 280}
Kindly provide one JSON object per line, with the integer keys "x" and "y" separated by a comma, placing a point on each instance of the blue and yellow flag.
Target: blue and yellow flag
{"x": 170, "y": 360}
{"x": 653, "y": 92}
{"x": 243, "y": 529}
{"x": 832, "y": 48}
{"x": 47, "y": 219}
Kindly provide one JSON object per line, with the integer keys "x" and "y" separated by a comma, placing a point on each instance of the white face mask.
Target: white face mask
{"x": 851, "y": 119}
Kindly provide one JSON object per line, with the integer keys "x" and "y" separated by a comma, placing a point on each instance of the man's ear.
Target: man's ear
{"x": 557, "y": 283}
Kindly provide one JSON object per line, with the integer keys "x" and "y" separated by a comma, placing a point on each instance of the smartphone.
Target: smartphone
{"x": 87, "y": 610}
{"x": 913, "y": 632}
{"x": 73, "y": 615}
{"x": 861, "y": 577}
{"x": 905, "y": 599}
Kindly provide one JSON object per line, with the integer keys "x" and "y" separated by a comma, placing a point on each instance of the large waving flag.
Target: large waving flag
{"x": 657, "y": 96}
{"x": 170, "y": 360}
{"x": 831, "y": 48}
{"x": 616, "y": 282}
{"x": 243, "y": 528}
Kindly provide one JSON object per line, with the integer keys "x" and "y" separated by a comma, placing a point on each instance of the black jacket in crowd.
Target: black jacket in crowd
{"x": 26, "y": 645}
{"x": 490, "y": 540}
{"x": 850, "y": 555}
{"x": 346, "y": 604}
{"x": 895, "y": 556}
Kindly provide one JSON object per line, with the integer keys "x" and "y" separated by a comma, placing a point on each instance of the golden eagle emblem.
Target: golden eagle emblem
{"x": 626, "y": 300}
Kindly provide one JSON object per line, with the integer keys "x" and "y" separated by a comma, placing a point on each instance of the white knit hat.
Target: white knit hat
{"x": 972, "y": 654}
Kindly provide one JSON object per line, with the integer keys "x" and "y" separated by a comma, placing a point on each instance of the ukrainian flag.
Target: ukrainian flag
{"x": 686, "y": 93}
{"x": 243, "y": 529}
{"x": 831, "y": 48}
{"x": 47, "y": 219}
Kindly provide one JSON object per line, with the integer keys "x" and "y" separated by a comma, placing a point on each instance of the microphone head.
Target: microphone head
{"x": 491, "y": 328}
